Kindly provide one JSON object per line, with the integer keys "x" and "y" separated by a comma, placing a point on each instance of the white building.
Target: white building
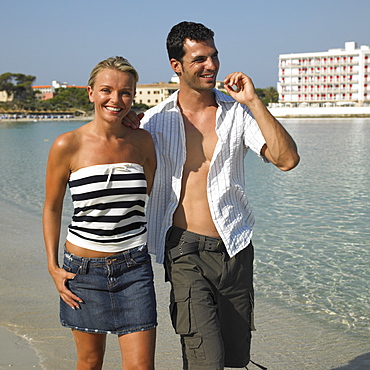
{"x": 337, "y": 77}
{"x": 153, "y": 94}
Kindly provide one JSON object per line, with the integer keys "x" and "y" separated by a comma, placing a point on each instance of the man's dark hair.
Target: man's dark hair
{"x": 182, "y": 31}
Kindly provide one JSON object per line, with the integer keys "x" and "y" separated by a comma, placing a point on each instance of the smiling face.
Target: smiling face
{"x": 112, "y": 94}
{"x": 199, "y": 66}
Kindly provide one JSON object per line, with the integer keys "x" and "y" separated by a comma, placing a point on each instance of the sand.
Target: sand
{"x": 31, "y": 336}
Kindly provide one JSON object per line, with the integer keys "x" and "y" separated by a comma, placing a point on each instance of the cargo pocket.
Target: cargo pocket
{"x": 194, "y": 349}
{"x": 180, "y": 310}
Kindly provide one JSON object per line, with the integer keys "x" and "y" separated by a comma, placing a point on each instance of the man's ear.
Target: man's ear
{"x": 176, "y": 66}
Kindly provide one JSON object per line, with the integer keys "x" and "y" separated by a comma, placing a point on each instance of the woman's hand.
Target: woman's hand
{"x": 60, "y": 277}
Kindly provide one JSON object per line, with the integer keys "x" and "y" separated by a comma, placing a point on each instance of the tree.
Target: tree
{"x": 23, "y": 88}
{"x": 268, "y": 95}
{"x": 271, "y": 94}
{"x": 67, "y": 98}
{"x": 6, "y": 83}
{"x": 18, "y": 85}
{"x": 140, "y": 107}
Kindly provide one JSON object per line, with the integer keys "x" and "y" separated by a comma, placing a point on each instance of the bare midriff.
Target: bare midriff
{"x": 193, "y": 212}
{"x": 86, "y": 253}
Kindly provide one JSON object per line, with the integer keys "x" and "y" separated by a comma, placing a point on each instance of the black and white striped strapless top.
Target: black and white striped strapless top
{"x": 109, "y": 207}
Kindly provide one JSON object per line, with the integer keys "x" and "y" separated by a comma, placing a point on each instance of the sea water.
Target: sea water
{"x": 311, "y": 237}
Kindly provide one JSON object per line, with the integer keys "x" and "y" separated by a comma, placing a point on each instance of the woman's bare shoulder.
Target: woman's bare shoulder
{"x": 143, "y": 134}
{"x": 68, "y": 142}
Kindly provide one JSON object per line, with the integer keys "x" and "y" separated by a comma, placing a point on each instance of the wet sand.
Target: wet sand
{"x": 31, "y": 336}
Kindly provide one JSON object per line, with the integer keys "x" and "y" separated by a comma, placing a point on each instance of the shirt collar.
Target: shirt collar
{"x": 219, "y": 96}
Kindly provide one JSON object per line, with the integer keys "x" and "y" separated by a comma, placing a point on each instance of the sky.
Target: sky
{"x": 64, "y": 40}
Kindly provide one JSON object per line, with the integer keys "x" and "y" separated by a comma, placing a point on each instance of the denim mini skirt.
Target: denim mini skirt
{"x": 117, "y": 292}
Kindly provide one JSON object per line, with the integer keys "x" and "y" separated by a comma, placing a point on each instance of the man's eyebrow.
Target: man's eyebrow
{"x": 204, "y": 56}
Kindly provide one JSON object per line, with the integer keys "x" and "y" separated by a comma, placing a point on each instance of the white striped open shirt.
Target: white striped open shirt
{"x": 237, "y": 131}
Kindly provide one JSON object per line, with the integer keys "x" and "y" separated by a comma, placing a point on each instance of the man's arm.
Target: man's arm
{"x": 280, "y": 149}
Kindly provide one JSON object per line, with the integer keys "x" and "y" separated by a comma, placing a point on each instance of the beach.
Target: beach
{"x": 32, "y": 337}
{"x": 312, "y": 252}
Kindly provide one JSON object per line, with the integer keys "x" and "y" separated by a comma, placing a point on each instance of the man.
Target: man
{"x": 199, "y": 219}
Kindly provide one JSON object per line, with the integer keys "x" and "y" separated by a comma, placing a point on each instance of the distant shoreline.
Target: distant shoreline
{"x": 14, "y": 120}
{"x": 349, "y": 116}
{"x": 278, "y": 116}
{"x": 320, "y": 112}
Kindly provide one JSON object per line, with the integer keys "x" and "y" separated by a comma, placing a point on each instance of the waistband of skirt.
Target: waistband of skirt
{"x": 117, "y": 257}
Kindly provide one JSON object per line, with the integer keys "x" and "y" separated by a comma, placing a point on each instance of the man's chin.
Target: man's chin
{"x": 209, "y": 86}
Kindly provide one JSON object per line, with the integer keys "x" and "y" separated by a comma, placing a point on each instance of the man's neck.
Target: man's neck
{"x": 195, "y": 100}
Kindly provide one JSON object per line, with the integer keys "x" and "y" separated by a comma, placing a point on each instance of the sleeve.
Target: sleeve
{"x": 253, "y": 137}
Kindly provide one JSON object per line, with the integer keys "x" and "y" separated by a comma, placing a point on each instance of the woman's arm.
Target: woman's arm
{"x": 57, "y": 174}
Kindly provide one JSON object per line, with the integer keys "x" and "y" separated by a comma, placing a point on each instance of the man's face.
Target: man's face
{"x": 200, "y": 64}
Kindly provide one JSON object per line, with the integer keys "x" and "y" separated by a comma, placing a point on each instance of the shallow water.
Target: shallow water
{"x": 312, "y": 223}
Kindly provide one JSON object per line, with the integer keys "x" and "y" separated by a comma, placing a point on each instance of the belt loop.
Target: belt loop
{"x": 130, "y": 262}
{"x": 202, "y": 242}
{"x": 182, "y": 238}
{"x": 83, "y": 267}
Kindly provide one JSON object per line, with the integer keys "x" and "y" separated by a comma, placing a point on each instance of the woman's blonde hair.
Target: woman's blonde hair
{"x": 119, "y": 63}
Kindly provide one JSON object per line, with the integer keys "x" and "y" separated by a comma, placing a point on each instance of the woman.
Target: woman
{"x": 106, "y": 283}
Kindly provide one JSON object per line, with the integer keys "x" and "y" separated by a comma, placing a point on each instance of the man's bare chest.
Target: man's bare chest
{"x": 201, "y": 139}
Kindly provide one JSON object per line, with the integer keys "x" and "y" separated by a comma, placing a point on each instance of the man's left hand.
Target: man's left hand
{"x": 132, "y": 119}
{"x": 241, "y": 88}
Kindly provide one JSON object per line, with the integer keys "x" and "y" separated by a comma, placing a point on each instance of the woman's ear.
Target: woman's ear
{"x": 90, "y": 92}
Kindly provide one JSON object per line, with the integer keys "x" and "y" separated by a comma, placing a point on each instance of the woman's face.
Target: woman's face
{"x": 112, "y": 94}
